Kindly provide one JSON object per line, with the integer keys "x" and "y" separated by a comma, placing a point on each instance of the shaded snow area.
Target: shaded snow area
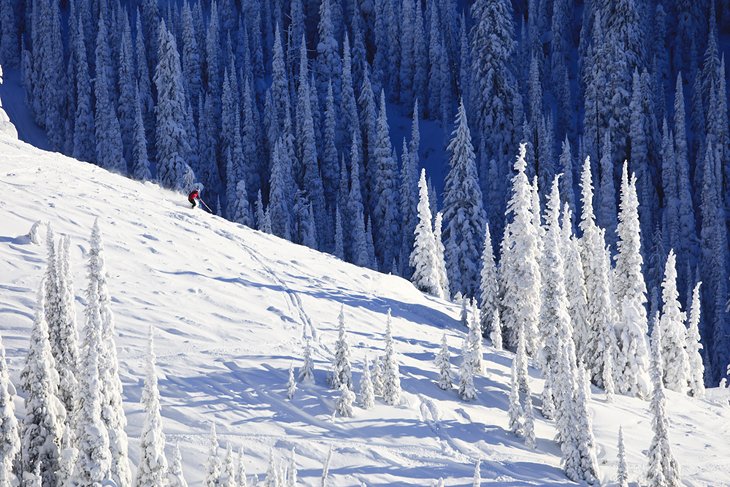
{"x": 6, "y": 126}
{"x": 12, "y": 99}
{"x": 231, "y": 307}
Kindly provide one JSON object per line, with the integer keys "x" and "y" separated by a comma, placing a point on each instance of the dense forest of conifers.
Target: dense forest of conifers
{"x": 277, "y": 109}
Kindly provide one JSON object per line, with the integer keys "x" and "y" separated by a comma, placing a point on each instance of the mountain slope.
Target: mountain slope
{"x": 231, "y": 307}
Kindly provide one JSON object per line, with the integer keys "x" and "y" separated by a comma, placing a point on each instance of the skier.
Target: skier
{"x": 194, "y": 197}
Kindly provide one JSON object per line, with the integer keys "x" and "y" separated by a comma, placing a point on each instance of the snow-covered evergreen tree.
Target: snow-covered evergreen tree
{"x": 574, "y": 280}
{"x": 213, "y": 465}
{"x": 475, "y": 339}
{"x": 516, "y": 409}
{"x": 606, "y": 213}
{"x": 108, "y": 136}
{"x": 567, "y": 192}
{"x": 175, "y": 477}
{"x": 464, "y": 313}
{"x": 152, "y": 467}
{"x": 49, "y": 56}
{"x": 356, "y": 212}
{"x": 238, "y": 209}
{"x": 190, "y": 56}
{"x": 339, "y": 250}
{"x": 467, "y": 391}
{"x": 441, "y": 256}
{"x": 663, "y": 467}
{"x": 343, "y": 405}
{"x": 586, "y": 443}
{"x": 494, "y": 93}
{"x": 172, "y": 145}
{"x": 140, "y": 163}
{"x": 631, "y": 363}
{"x": 311, "y": 178}
{"x": 631, "y": 367}
{"x": 350, "y": 122}
{"x": 555, "y": 318}
{"x": 628, "y": 277}
{"x": 391, "y": 371}
{"x": 407, "y": 60}
{"x": 477, "y": 480}
{"x": 565, "y": 389}
{"x": 598, "y": 336}
{"x": 520, "y": 262}
{"x": 675, "y": 363}
{"x": 279, "y": 91}
{"x": 329, "y": 155}
{"x": 495, "y": 335}
{"x": 443, "y": 363}
{"x": 463, "y": 212}
{"x": 260, "y": 211}
{"x": 378, "y": 376}
{"x": 714, "y": 239}
{"x": 280, "y": 192}
{"x": 529, "y": 424}
{"x": 63, "y": 336}
{"x": 127, "y": 88}
{"x": 423, "y": 257}
{"x": 272, "y": 472}
{"x": 228, "y": 477}
{"x": 341, "y": 369}
{"x": 488, "y": 286}
{"x": 608, "y": 373}
{"x": 291, "y": 385}
{"x": 306, "y": 372}
{"x": 241, "y": 475}
{"x": 9, "y": 432}
{"x": 328, "y": 59}
{"x": 548, "y": 401}
{"x": 44, "y": 412}
{"x": 93, "y": 459}
{"x": 693, "y": 346}
{"x": 554, "y": 315}
{"x": 687, "y": 222}
{"x": 52, "y": 298}
{"x": 84, "y": 138}
{"x": 385, "y": 194}
{"x": 409, "y": 198}
{"x": 367, "y": 393}
{"x": 112, "y": 412}
{"x": 622, "y": 476}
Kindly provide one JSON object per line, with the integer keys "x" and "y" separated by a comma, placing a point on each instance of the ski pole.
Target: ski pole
{"x": 206, "y": 206}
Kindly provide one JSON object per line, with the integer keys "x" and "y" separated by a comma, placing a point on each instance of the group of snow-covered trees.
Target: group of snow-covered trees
{"x": 551, "y": 286}
{"x": 73, "y": 430}
{"x": 382, "y": 379}
{"x": 279, "y": 110}
{"x": 557, "y": 297}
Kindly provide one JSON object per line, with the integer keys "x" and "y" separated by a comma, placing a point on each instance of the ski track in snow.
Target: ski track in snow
{"x": 232, "y": 307}
{"x": 294, "y": 298}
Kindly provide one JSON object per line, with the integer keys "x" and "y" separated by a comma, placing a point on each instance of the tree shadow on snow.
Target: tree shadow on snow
{"x": 414, "y": 312}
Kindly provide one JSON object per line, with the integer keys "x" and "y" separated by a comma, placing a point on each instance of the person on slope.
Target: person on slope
{"x": 194, "y": 197}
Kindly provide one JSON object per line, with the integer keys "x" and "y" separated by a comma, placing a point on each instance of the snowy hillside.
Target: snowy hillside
{"x": 231, "y": 307}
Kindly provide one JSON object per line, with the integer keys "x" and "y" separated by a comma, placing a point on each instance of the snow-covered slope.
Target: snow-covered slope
{"x": 231, "y": 307}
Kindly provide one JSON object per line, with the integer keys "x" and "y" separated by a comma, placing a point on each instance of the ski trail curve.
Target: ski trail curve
{"x": 293, "y": 298}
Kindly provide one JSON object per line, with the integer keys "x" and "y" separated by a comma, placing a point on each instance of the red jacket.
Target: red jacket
{"x": 193, "y": 195}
